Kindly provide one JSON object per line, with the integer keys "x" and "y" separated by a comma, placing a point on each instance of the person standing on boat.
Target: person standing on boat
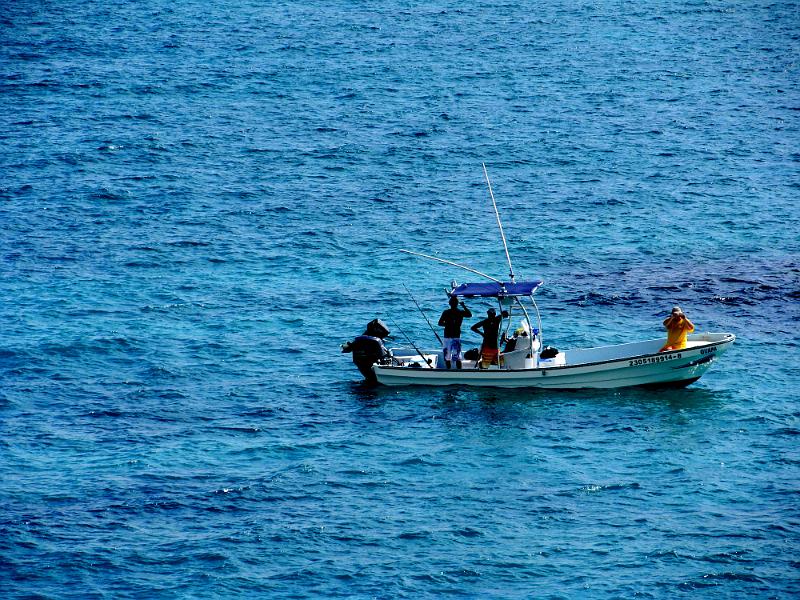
{"x": 489, "y": 328}
{"x": 451, "y": 320}
{"x": 678, "y": 327}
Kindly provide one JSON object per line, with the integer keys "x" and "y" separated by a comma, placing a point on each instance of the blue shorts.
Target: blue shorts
{"x": 452, "y": 349}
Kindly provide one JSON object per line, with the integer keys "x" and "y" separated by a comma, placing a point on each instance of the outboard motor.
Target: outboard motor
{"x": 368, "y": 348}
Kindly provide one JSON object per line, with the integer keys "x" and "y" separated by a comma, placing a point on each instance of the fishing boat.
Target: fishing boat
{"x": 531, "y": 364}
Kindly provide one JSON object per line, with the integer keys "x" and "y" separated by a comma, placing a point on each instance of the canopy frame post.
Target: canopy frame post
{"x": 539, "y": 322}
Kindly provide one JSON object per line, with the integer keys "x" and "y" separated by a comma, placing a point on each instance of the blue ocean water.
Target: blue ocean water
{"x": 200, "y": 201}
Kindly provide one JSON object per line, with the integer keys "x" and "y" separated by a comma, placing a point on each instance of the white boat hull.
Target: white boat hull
{"x": 624, "y": 365}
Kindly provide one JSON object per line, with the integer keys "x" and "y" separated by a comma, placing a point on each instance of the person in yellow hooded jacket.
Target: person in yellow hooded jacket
{"x": 678, "y": 327}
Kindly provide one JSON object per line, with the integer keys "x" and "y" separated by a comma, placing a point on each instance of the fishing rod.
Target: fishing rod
{"x": 423, "y": 314}
{"x": 455, "y": 264}
{"x": 425, "y": 360}
{"x": 499, "y": 224}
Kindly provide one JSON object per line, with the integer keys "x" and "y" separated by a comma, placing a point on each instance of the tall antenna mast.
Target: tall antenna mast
{"x": 499, "y": 224}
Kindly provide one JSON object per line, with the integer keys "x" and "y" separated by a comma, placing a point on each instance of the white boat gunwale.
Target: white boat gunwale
{"x": 702, "y": 346}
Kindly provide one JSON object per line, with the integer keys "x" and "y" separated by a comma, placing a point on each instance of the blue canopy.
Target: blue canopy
{"x": 490, "y": 289}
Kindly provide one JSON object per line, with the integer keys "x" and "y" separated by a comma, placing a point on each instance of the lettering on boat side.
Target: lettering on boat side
{"x": 708, "y": 350}
{"x": 652, "y": 359}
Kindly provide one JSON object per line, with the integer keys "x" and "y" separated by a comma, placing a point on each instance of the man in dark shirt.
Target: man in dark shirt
{"x": 489, "y": 328}
{"x": 451, "y": 320}
{"x": 368, "y": 348}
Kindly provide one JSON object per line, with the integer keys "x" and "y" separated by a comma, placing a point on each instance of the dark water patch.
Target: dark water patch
{"x": 263, "y": 151}
{"x": 97, "y": 346}
{"x": 210, "y": 557}
{"x": 594, "y": 298}
{"x": 468, "y": 532}
{"x": 189, "y": 244}
{"x": 140, "y": 264}
{"x": 725, "y": 557}
{"x": 414, "y": 535}
{"x": 594, "y": 488}
{"x": 232, "y": 493}
{"x": 147, "y": 90}
{"x": 620, "y": 430}
{"x": 168, "y": 308}
{"x": 171, "y": 395}
{"x": 61, "y": 258}
{"x": 26, "y": 56}
{"x": 158, "y": 558}
{"x": 418, "y": 462}
{"x": 730, "y": 576}
{"x": 670, "y": 289}
{"x": 790, "y": 431}
{"x": 136, "y": 117}
{"x": 153, "y": 372}
{"x": 7, "y": 354}
{"x": 234, "y": 429}
{"x": 733, "y": 300}
{"x": 109, "y": 147}
{"x": 266, "y": 412}
{"x": 112, "y": 413}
